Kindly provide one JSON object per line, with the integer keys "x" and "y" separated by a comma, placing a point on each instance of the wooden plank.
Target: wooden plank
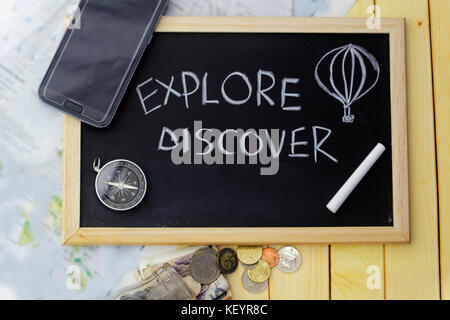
{"x": 269, "y": 25}
{"x": 440, "y": 26}
{"x": 357, "y": 272}
{"x": 412, "y": 270}
{"x": 361, "y": 9}
{"x": 70, "y": 221}
{"x": 309, "y": 282}
{"x": 227, "y": 236}
{"x": 349, "y": 263}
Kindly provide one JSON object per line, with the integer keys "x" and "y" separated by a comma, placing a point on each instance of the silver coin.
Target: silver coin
{"x": 203, "y": 267}
{"x": 251, "y": 286}
{"x": 207, "y": 249}
{"x": 249, "y": 266}
{"x": 289, "y": 259}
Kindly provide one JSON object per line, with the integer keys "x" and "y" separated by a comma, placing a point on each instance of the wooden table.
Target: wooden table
{"x": 421, "y": 269}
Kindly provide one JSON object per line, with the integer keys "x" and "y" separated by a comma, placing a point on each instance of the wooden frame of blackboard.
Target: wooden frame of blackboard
{"x": 72, "y": 234}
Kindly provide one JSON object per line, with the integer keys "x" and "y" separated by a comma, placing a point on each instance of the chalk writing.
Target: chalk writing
{"x": 252, "y": 146}
{"x": 348, "y": 96}
{"x": 348, "y": 80}
{"x": 191, "y": 84}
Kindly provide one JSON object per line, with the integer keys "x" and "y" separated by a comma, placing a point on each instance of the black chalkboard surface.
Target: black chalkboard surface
{"x": 327, "y": 146}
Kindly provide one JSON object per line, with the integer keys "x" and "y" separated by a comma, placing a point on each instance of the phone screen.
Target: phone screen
{"x": 97, "y": 55}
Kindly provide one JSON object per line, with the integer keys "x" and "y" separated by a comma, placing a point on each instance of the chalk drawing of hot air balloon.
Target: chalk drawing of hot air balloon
{"x": 352, "y": 72}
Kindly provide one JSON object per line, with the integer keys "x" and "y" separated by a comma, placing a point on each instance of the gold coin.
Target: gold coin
{"x": 249, "y": 254}
{"x": 261, "y": 273}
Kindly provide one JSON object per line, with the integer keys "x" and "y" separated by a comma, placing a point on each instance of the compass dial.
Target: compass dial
{"x": 120, "y": 185}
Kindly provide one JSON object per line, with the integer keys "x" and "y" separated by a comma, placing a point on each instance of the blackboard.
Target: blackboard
{"x": 320, "y": 149}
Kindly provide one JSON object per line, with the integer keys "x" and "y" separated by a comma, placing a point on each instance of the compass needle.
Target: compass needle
{"x": 130, "y": 187}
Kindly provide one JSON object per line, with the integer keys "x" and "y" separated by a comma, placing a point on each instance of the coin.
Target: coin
{"x": 289, "y": 259}
{"x": 207, "y": 249}
{"x": 249, "y": 254}
{"x": 252, "y": 286}
{"x": 227, "y": 260}
{"x": 270, "y": 255}
{"x": 249, "y": 266}
{"x": 203, "y": 267}
{"x": 261, "y": 273}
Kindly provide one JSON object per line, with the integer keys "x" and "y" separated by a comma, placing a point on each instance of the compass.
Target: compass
{"x": 120, "y": 184}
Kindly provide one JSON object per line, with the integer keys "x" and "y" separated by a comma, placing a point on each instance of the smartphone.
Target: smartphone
{"x": 98, "y": 56}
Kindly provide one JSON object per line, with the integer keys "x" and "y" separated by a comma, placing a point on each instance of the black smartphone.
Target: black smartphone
{"x": 98, "y": 56}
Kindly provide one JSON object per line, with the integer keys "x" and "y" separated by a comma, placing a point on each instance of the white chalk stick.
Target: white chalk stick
{"x": 351, "y": 183}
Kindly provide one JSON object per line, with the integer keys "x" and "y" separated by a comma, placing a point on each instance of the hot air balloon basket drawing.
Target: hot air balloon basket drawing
{"x": 347, "y": 117}
{"x": 347, "y": 74}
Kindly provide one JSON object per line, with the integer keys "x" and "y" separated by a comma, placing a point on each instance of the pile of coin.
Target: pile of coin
{"x": 258, "y": 263}
{"x": 207, "y": 264}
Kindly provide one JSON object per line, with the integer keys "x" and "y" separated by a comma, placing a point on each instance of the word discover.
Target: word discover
{"x": 237, "y": 145}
